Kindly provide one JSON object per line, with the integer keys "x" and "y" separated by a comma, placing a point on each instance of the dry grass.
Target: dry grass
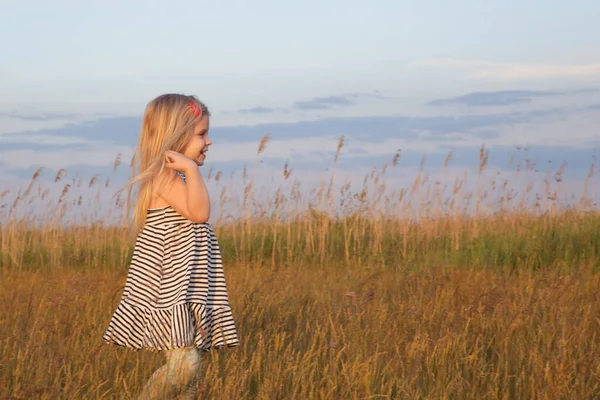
{"x": 338, "y": 294}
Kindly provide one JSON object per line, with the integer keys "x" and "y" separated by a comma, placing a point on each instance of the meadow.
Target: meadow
{"x": 440, "y": 290}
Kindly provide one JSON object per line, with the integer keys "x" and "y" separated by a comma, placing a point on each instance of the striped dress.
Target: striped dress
{"x": 175, "y": 293}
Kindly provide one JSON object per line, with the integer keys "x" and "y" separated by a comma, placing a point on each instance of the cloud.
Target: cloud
{"x": 488, "y": 135}
{"x": 115, "y": 130}
{"x": 504, "y": 97}
{"x": 41, "y": 141}
{"x": 315, "y": 104}
{"x": 323, "y": 103}
{"x": 124, "y": 131}
{"x": 368, "y": 138}
{"x": 501, "y": 98}
{"x": 511, "y": 71}
{"x": 326, "y": 103}
{"x": 62, "y": 158}
{"x": 40, "y": 116}
{"x": 257, "y": 110}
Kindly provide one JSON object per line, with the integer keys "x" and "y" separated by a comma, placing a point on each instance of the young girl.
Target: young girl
{"x": 175, "y": 297}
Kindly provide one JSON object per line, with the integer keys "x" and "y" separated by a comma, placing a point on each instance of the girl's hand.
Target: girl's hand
{"x": 179, "y": 162}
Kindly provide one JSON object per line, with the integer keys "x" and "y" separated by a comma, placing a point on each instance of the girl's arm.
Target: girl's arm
{"x": 189, "y": 199}
{"x": 197, "y": 201}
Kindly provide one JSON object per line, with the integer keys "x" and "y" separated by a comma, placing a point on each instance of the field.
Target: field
{"x": 420, "y": 293}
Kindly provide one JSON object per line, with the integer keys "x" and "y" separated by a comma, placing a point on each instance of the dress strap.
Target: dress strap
{"x": 182, "y": 175}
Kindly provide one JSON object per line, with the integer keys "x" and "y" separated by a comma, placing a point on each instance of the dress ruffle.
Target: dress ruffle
{"x": 178, "y": 326}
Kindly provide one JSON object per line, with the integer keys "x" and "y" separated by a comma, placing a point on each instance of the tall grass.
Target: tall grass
{"x": 373, "y": 224}
{"x": 464, "y": 289}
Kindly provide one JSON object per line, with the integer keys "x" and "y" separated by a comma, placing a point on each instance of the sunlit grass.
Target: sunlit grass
{"x": 372, "y": 293}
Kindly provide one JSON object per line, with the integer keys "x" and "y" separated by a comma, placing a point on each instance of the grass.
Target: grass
{"x": 430, "y": 292}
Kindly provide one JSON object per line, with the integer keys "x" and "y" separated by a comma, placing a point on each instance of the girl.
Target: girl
{"x": 175, "y": 297}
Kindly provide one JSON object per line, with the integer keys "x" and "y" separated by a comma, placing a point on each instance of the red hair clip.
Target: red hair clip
{"x": 197, "y": 111}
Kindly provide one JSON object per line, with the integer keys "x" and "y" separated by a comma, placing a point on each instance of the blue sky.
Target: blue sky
{"x": 423, "y": 76}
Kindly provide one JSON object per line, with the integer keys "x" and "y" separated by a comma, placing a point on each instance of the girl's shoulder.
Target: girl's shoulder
{"x": 166, "y": 177}
{"x": 160, "y": 184}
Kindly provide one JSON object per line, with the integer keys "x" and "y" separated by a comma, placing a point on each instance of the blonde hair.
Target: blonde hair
{"x": 168, "y": 124}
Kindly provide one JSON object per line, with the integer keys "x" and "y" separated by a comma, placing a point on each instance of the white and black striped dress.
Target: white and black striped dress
{"x": 175, "y": 294}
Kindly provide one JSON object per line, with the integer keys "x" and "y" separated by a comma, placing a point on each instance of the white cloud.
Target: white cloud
{"x": 510, "y": 71}
{"x": 96, "y": 156}
{"x": 574, "y": 131}
{"x": 11, "y": 125}
{"x": 44, "y": 139}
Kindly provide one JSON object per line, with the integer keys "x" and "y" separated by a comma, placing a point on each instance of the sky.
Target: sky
{"x": 425, "y": 77}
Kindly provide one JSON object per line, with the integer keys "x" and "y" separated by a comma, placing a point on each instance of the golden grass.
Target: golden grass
{"x": 328, "y": 334}
{"x": 368, "y": 293}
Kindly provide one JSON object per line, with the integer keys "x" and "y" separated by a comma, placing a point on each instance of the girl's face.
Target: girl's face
{"x": 198, "y": 145}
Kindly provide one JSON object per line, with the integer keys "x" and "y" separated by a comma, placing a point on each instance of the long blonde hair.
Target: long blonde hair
{"x": 168, "y": 124}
